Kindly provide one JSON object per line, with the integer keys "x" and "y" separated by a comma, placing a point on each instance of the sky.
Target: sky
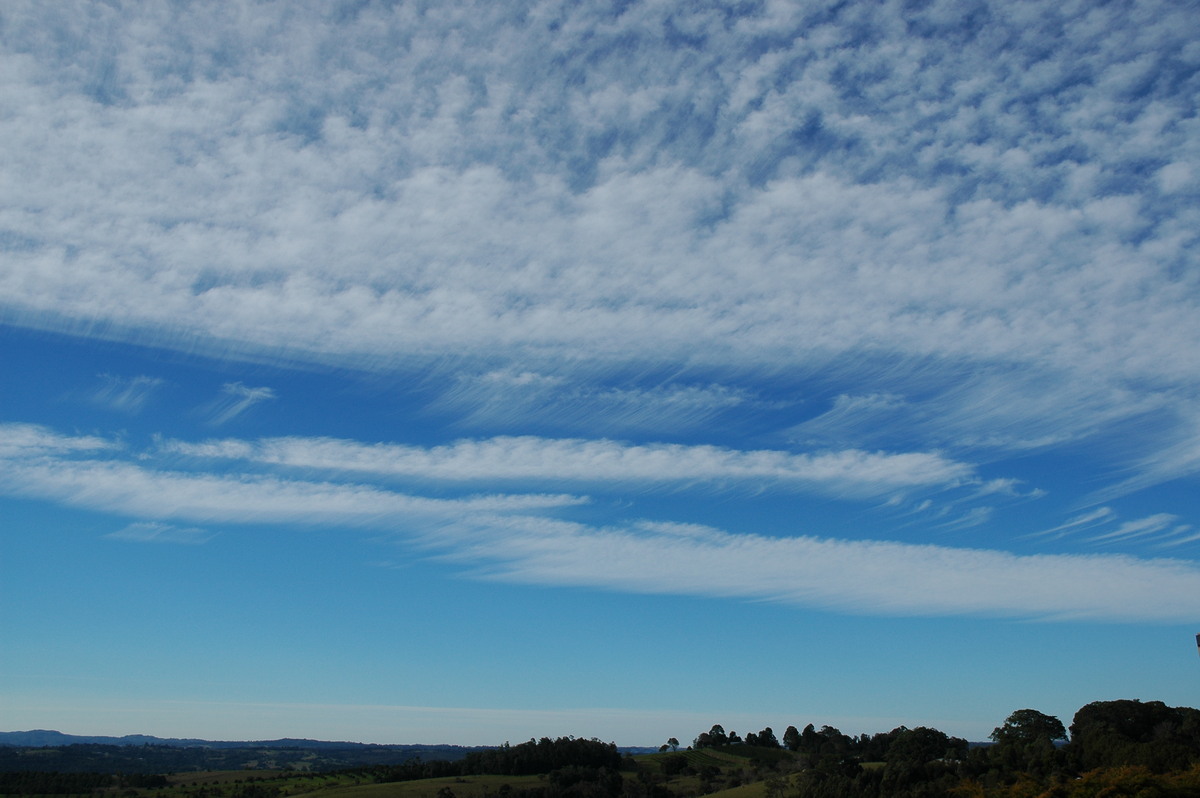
{"x": 450, "y": 372}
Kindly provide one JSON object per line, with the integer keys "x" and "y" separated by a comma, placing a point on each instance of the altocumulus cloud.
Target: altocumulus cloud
{"x": 926, "y": 184}
{"x": 974, "y": 223}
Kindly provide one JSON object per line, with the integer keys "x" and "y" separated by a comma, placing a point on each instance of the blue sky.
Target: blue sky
{"x": 451, "y": 372}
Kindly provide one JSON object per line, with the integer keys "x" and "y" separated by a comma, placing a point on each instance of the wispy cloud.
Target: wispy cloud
{"x": 507, "y": 536}
{"x": 1163, "y": 530}
{"x": 1080, "y": 522}
{"x": 1170, "y": 450}
{"x": 127, "y": 394}
{"x": 154, "y": 532}
{"x": 126, "y": 489}
{"x": 23, "y": 441}
{"x": 517, "y": 459}
{"x": 1141, "y": 527}
{"x": 39, "y": 471}
{"x": 1007, "y": 486}
{"x": 875, "y": 577}
{"x": 975, "y": 516}
{"x": 235, "y": 400}
{"x": 519, "y": 398}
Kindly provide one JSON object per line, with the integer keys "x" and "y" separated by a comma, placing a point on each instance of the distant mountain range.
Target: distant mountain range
{"x": 43, "y": 738}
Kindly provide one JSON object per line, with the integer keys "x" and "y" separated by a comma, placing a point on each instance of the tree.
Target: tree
{"x": 810, "y": 741}
{"x": 673, "y": 765}
{"x": 913, "y": 747}
{"x": 1029, "y": 725}
{"x": 1026, "y": 743}
{"x": 1130, "y": 732}
{"x": 766, "y": 738}
{"x": 717, "y": 735}
{"x": 791, "y": 738}
{"x": 674, "y": 743}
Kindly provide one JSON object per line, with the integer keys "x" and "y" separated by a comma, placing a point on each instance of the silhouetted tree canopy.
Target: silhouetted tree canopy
{"x": 1027, "y": 725}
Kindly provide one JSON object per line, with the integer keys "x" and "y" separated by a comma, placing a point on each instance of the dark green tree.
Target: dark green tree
{"x": 1025, "y": 744}
{"x": 767, "y": 739}
{"x": 912, "y": 747}
{"x": 1028, "y": 725}
{"x": 1131, "y": 733}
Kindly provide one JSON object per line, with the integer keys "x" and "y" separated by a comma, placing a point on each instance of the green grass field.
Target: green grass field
{"x": 464, "y": 787}
{"x": 755, "y": 790}
{"x": 711, "y": 771}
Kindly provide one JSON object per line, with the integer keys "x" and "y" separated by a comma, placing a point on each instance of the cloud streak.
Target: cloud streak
{"x": 127, "y": 394}
{"x": 152, "y": 532}
{"x": 509, "y": 536}
{"x": 871, "y": 577}
{"x": 523, "y": 458}
{"x": 34, "y": 468}
{"x": 235, "y": 400}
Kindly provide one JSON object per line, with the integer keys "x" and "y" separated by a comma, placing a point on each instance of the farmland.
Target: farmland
{"x": 1115, "y": 748}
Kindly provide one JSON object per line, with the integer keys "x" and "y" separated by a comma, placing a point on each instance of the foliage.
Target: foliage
{"x": 1107, "y": 734}
{"x": 1028, "y": 725}
{"x": 1117, "y": 748}
{"x": 543, "y": 756}
{"x": 155, "y": 758}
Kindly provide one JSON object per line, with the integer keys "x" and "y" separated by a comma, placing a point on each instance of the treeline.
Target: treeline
{"x": 573, "y": 768}
{"x": 32, "y": 782}
{"x": 829, "y": 743}
{"x": 1115, "y": 748}
{"x": 160, "y": 758}
{"x": 535, "y": 757}
{"x": 542, "y": 756}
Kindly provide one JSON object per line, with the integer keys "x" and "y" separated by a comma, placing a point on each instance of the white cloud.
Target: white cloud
{"x": 501, "y": 536}
{"x": 127, "y": 394}
{"x": 154, "y": 532}
{"x": 126, "y": 489}
{"x": 970, "y": 233}
{"x": 1138, "y": 528}
{"x": 1168, "y": 450}
{"x": 518, "y": 459}
{"x": 442, "y": 215}
{"x": 1161, "y": 530}
{"x": 1007, "y": 486}
{"x": 37, "y": 464}
{"x": 518, "y": 398}
{"x": 1181, "y": 537}
{"x": 1087, "y": 520}
{"x": 235, "y": 400}
{"x": 874, "y": 577}
{"x": 1175, "y": 177}
{"x": 19, "y": 441}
